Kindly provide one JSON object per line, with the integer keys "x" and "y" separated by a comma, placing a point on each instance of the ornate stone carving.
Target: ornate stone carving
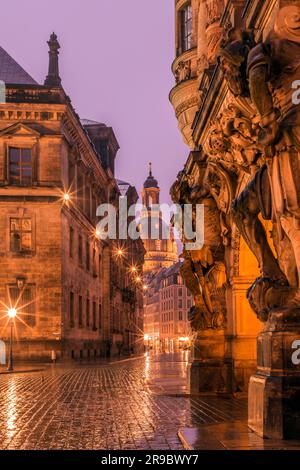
{"x": 232, "y": 142}
{"x": 206, "y": 279}
{"x": 183, "y": 71}
{"x": 235, "y": 47}
{"x": 274, "y": 192}
{"x": 204, "y": 270}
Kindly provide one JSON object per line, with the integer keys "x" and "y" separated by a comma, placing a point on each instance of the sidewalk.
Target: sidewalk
{"x": 230, "y": 435}
{"x": 24, "y": 367}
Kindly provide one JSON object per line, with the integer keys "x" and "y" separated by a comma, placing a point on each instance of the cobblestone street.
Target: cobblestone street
{"x": 136, "y": 404}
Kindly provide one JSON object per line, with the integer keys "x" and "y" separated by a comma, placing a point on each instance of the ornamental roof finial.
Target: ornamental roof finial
{"x": 53, "y": 78}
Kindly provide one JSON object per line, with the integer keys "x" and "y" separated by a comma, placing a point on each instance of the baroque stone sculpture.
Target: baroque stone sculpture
{"x": 272, "y": 194}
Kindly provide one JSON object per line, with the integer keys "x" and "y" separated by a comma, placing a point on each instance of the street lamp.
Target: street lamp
{"x": 11, "y": 312}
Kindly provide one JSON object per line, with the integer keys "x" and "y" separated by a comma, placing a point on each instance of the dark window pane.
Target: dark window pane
{"x": 14, "y": 155}
{"x": 15, "y": 242}
{"x": 26, "y": 155}
{"x": 14, "y": 169}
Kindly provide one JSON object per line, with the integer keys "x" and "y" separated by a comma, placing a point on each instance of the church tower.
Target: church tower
{"x": 160, "y": 251}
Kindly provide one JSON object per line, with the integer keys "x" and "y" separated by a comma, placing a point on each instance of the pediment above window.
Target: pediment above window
{"x": 19, "y": 130}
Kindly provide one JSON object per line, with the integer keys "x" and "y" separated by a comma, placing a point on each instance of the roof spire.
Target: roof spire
{"x": 150, "y": 182}
{"x": 53, "y": 78}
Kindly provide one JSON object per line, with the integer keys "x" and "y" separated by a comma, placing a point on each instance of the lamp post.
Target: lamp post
{"x": 11, "y": 313}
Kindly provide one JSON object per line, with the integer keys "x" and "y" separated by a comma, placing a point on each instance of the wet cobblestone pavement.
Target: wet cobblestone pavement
{"x": 138, "y": 404}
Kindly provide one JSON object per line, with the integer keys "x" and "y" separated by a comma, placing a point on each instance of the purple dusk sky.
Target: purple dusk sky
{"x": 115, "y": 61}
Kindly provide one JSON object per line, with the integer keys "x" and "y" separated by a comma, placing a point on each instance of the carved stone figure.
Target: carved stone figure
{"x": 232, "y": 142}
{"x": 274, "y": 192}
{"x": 183, "y": 71}
{"x": 204, "y": 270}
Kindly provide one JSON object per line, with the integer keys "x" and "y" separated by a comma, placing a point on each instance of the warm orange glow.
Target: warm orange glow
{"x": 11, "y": 312}
{"x": 66, "y": 197}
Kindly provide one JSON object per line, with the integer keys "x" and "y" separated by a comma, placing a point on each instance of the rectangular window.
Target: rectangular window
{"x": 87, "y": 254}
{"x": 99, "y": 266}
{"x": 87, "y": 200}
{"x": 80, "y": 189}
{"x": 94, "y": 207}
{"x": 25, "y": 303}
{"x": 180, "y": 316}
{"x": 186, "y": 28}
{"x": 20, "y": 235}
{"x": 80, "y": 311}
{"x": 71, "y": 309}
{"x": 20, "y": 166}
{"x": 88, "y": 312}
{"x": 71, "y": 245}
{"x": 94, "y": 263}
{"x": 100, "y": 316}
{"x": 71, "y": 176}
{"x": 94, "y": 316}
{"x": 80, "y": 259}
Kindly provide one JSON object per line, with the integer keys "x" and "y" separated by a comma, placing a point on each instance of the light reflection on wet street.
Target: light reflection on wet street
{"x": 137, "y": 404}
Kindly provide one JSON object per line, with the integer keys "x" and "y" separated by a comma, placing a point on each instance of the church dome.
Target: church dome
{"x": 150, "y": 182}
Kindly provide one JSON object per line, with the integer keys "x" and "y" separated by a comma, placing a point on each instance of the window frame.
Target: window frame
{"x": 186, "y": 25}
{"x": 21, "y": 231}
{"x": 32, "y": 165}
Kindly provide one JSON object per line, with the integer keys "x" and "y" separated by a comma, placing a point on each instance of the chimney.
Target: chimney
{"x": 53, "y": 78}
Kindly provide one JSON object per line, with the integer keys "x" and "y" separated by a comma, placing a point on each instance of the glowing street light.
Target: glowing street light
{"x": 133, "y": 269}
{"x": 138, "y": 279}
{"x": 145, "y": 287}
{"x": 66, "y": 197}
{"x": 11, "y": 312}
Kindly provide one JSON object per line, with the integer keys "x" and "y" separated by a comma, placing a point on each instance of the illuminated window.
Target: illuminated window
{"x": 20, "y": 235}
{"x": 20, "y": 166}
{"x": 186, "y": 27}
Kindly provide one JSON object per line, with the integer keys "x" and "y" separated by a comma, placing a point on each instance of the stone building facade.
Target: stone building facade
{"x": 54, "y": 172}
{"x": 236, "y": 69}
{"x": 167, "y": 304}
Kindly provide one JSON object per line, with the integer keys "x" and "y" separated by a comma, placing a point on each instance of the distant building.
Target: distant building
{"x": 160, "y": 251}
{"x": 166, "y": 306}
{"x": 60, "y": 276}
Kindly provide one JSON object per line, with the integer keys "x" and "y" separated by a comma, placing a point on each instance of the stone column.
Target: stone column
{"x": 208, "y": 371}
{"x": 274, "y": 391}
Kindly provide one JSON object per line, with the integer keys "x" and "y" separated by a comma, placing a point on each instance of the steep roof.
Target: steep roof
{"x": 90, "y": 122}
{"x": 11, "y": 72}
